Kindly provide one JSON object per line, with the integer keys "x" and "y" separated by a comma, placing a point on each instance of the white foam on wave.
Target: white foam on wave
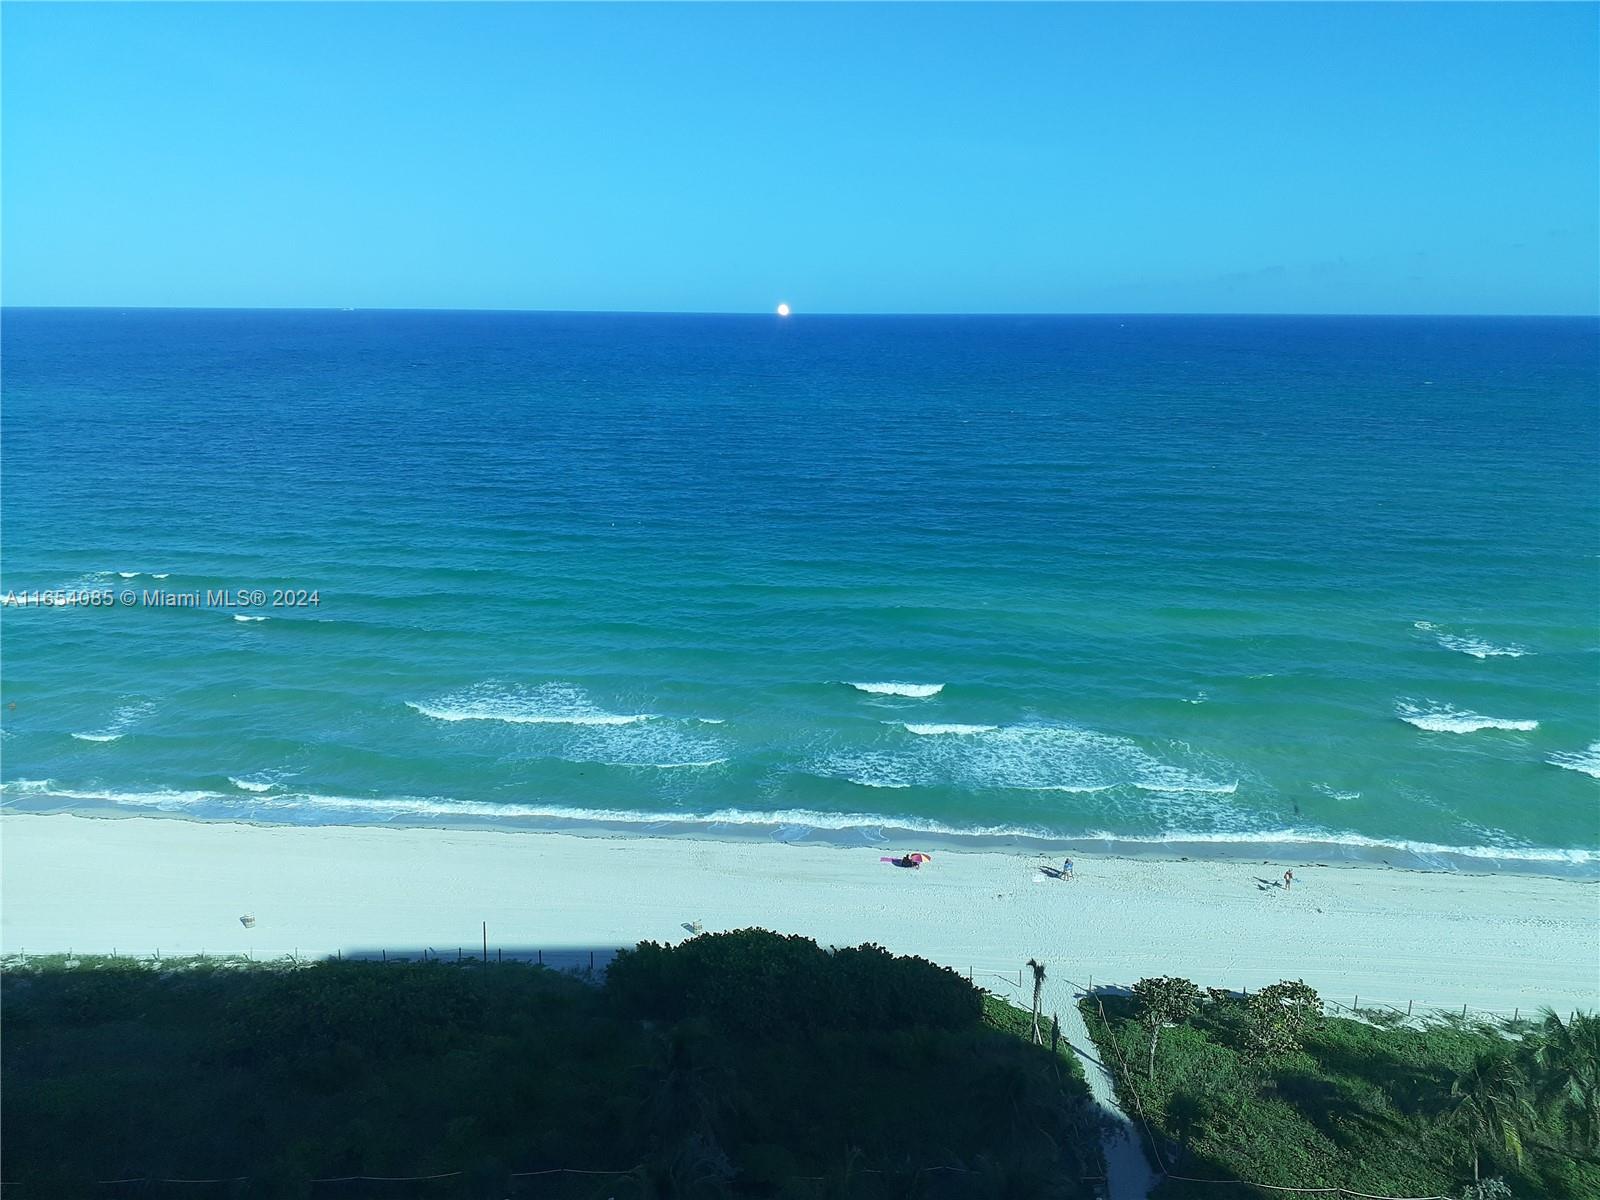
{"x": 258, "y": 782}
{"x": 1074, "y": 788}
{"x": 161, "y": 575}
{"x": 123, "y": 719}
{"x": 1586, "y": 761}
{"x": 128, "y": 574}
{"x": 456, "y": 714}
{"x": 247, "y": 617}
{"x": 578, "y": 730}
{"x": 547, "y": 704}
{"x": 1035, "y": 757}
{"x": 1315, "y": 837}
{"x": 1336, "y": 794}
{"x": 1469, "y": 644}
{"x": 403, "y": 806}
{"x": 160, "y": 798}
{"x": 1179, "y": 786}
{"x": 938, "y": 730}
{"x": 1442, "y": 718}
{"x": 911, "y": 691}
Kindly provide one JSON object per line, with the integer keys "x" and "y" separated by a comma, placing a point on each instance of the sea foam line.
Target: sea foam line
{"x": 912, "y": 691}
{"x": 1029, "y": 757}
{"x": 1468, "y": 644}
{"x": 1178, "y": 789}
{"x": 1586, "y": 761}
{"x": 805, "y": 818}
{"x": 937, "y": 730}
{"x": 547, "y": 704}
{"x": 515, "y": 718}
{"x": 121, "y": 720}
{"x": 1310, "y": 837}
{"x": 1445, "y": 719}
{"x": 673, "y": 766}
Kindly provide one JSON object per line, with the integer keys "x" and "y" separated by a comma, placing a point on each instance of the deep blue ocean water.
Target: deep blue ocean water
{"x": 1182, "y": 579}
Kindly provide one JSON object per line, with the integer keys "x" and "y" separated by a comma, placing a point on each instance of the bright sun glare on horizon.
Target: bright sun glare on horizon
{"x": 783, "y": 310}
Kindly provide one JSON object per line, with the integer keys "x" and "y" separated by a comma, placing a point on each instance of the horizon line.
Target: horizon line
{"x": 668, "y": 312}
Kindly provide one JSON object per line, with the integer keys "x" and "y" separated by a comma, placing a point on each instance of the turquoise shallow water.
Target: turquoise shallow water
{"x": 1203, "y": 580}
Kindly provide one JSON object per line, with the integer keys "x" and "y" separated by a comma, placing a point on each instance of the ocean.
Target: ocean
{"x": 1199, "y": 584}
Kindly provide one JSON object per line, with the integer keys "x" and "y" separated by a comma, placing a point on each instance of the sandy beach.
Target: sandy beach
{"x": 1492, "y": 942}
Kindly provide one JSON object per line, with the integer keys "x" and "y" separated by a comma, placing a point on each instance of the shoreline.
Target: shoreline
{"x": 1288, "y": 847}
{"x": 1492, "y": 942}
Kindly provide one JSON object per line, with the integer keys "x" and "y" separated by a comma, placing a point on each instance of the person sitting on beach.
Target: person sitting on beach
{"x": 910, "y": 860}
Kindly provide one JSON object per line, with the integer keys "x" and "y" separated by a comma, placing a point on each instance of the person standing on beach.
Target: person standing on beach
{"x": 1066, "y": 868}
{"x": 1288, "y": 880}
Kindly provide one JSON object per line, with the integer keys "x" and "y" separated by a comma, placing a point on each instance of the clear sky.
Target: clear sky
{"x": 845, "y": 158}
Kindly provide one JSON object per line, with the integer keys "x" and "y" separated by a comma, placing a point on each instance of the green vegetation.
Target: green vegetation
{"x": 1164, "y": 1001}
{"x": 1268, "y": 1090}
{"x": 743, "y": 1064}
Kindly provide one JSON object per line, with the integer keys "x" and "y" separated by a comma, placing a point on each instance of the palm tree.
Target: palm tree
{"x": 1566, "y": 1059}
{"x": 1038, "y": 987}
{"x": 1488, "y": 1105}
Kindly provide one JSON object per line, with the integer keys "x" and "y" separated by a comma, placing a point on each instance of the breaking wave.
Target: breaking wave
{"x": 1586, "y": 761}
{"x": 576, "y": 729}
{"x": 1441, "y": 718}
{"x": 1468, "y": 644}
{"x": 1026, "y": 758}
{"x": 912, "y": 691}
{"x": 548, "y": 704}
{"x": 123, "y": 719}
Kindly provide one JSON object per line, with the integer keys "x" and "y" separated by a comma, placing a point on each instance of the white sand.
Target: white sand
{"x": 1493, "y": 942}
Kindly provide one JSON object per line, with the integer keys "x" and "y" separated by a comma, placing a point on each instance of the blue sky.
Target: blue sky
{"x": 845, "y": 158}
